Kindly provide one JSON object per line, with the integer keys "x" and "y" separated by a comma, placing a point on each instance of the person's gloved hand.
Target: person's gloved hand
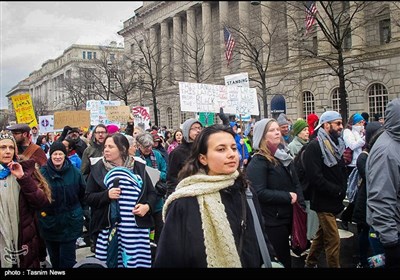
{"x": 392, "y": 256}
{"x": 67, "y": 128}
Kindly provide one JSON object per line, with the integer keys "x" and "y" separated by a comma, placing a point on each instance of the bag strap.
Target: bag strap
{"x": 260, "y": 236}
{"x": 243, "y": 224}
{"x": 30, "y": 150}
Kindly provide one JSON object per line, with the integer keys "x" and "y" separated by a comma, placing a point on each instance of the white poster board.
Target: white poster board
{"x": 239, "y": 80}
{"x": 46, "y": 124}
{"x": 98, "y": 111}
{"x": 209, "y": 98}
{"x": 141, "y": 117}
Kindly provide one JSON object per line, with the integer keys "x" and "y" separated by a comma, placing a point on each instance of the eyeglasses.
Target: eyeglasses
{"x": 100, "y": 132}
{"x": 16, "y": 133}
{"x": 196, "y": 128}
{"x": 146, "y": 147}
{"x": 338, "y": 123}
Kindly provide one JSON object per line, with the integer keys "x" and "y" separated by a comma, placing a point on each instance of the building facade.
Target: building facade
{"x": 295, "y": 86}
{"x": 51, "y": 87}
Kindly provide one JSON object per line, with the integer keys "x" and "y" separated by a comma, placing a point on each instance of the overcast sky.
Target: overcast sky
{"x": 33, "y": 32}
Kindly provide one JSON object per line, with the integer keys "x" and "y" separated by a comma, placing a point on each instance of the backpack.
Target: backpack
{"x": 353, "y": 183}
{"x": 301, "y": 171}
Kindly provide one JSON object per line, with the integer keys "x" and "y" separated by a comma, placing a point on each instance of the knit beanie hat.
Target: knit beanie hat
{"x": 282, "y": 120}
{"x": 258, "y": 132}
{"x": 58, "y": 146}
{"x": 299, "y": 126}
{"x": 186, "y": 128}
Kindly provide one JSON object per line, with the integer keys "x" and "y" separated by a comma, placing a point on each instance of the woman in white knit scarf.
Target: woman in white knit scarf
{"x": 204, "y": 216}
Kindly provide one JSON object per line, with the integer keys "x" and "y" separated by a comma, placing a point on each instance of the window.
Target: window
{"x": 336, "y": 101}
{"x": 132, "y": 48}
{"x": 308, "y": 103}
{"x": 112, "y": 56}
{"x": 89, "y": 55}
{"x": 94, "y": 55}
{"x": 347, "y": 39}
{"x": 384, "y": 31}
{"x": 183, "y": 117}
{"x": 169, "y": 117}
{"x": 378, "y": 98}
{"x": 84, "y": 55}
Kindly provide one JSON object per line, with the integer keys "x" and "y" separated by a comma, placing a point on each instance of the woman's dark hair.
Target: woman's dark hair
{"x": 71, "y": 144}
{"x": 374, "y": 137}
{"x": 200, "y": 146}
{"x": 122, "y": 144}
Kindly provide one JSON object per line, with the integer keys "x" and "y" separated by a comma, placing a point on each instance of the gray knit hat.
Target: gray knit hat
{"x": 186, "y": 128}
{"x": 282, "y": 120}
{"x": 258, "y": 132}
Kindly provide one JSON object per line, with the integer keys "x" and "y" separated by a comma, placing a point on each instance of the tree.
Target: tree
{"x": 40, "y": 106}
{"x": 255, "y": 44}
{"x": 146, "y": 63}
{"x": 337, "y": 21}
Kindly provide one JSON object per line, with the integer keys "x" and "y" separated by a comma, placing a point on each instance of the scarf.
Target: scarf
{"x": 4, "y": 171}
{"x": 282, "y": 154}
{"x": 129, "y": 162}
{"x": 331, "y": 152}
{"x": 9, "y": 220}
{"x": 219, "y": 242}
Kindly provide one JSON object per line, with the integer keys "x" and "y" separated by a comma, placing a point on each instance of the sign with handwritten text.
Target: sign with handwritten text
{"x": 209, "y": 98}
{"x": 118, "y": 114}
{"x": 23, "y": 107}
{"x": 79, "y": 118}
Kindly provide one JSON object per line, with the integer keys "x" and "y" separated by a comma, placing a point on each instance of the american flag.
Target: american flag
{"x": 311, "y": 10}
{"x": 229, "y": 44}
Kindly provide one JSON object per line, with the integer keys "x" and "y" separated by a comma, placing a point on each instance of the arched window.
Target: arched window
{"x": 308, "y": 103}
{"x": 336, "y": 101}
{"x": 378, "y": 98}
{"x": 169, "y": 117}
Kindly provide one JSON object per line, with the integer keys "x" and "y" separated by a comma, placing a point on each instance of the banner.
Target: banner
{"x": 239, "y": 80}
{"x": 23, "y": 107}
{"x": 98, "y": 111}
{"x": 118, "y": 114}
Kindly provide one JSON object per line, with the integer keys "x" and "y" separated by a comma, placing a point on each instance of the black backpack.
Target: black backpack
{"x": 301, "y": 172}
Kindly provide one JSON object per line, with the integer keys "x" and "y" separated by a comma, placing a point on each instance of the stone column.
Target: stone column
{"x": 152, "y": 47}
{"x": 394, "y": 21}
{"x": 324, "y": 47}
{"x": 244, "y": 20}
{"x": 293, "y": 32}
{"x": 164, "y": 54}
{"x": 191, "y": 40}
{"x": 207, "y": 37}
{"x": 358, "y": 34}
{"x": 177, "y": 48}
{"x": 223, "y": 19}
{"x": 265, "y": 14}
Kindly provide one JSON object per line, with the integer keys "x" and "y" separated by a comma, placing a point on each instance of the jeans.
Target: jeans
{"x": 62, "y": 254}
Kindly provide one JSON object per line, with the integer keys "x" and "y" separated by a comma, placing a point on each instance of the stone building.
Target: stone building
{"x": 47, "y": 85}
{"x": 297, "y": 87}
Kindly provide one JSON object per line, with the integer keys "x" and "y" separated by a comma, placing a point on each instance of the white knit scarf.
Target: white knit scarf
{"x": 219, "y": 242}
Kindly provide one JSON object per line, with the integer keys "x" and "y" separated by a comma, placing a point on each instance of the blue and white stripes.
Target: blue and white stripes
{"x": 133, "y": 242}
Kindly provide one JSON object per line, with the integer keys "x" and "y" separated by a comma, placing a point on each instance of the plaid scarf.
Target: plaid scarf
{"x": 152, "y": 158}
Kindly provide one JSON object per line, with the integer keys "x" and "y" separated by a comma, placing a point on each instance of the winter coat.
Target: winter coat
{"x": 181, "y": 243}
{"x": 63, "y": 220}
{"x": 31, "y": 198}
{"x": 327, "y": 184}
{"x": 273, "y": 184}
{"x": 96, "y": 195}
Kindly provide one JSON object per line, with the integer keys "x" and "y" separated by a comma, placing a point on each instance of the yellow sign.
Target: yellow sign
{"x": 24, "y": 109}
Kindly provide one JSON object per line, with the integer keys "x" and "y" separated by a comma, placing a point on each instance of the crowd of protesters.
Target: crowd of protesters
{"x": 196, "y": 212}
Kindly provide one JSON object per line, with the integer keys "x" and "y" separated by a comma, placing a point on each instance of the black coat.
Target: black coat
{"x": 181, "y": 244}
{"x": 327, "y": 184}
{"x": 96, "y": 195}
{"x": 273, "y": 185}
{"x": 360, "y": 206}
